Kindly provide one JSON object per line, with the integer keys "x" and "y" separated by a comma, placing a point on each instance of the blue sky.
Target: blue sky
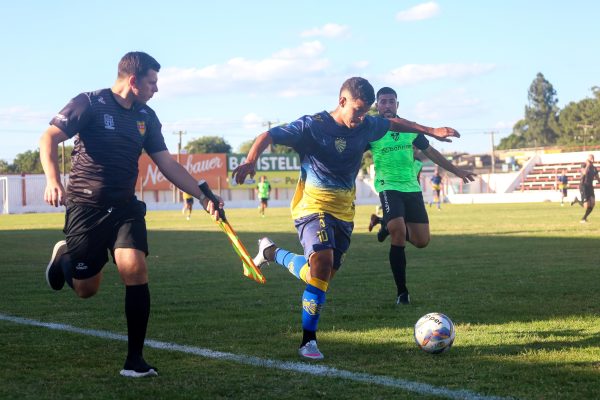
{"x": 229, "y": 67}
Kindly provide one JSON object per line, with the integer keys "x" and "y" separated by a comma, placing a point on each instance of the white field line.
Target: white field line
{"x": 305, "y": 368}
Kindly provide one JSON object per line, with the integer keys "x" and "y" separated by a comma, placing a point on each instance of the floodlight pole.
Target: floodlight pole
{"x": 175, "y": 190}
{"x": 585, "y": 129}
{"x": 268, "y": 124}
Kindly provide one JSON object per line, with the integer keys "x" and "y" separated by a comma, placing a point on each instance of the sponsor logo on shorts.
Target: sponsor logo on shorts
{"x": 81, "y": 266}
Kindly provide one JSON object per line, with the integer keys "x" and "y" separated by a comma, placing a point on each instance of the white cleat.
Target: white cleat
{"x": 260, "y": 260}
{"x": 311, "y": 351}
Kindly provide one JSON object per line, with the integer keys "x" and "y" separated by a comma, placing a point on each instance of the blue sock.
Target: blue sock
{"x": 290, "y": 261}
{"x": 313, "y": 300}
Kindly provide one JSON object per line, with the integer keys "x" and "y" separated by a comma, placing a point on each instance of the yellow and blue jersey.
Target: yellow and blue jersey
{"x": 330, "y": 157}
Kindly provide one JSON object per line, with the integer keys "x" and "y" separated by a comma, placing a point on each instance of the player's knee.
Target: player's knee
{"x": 84, "y": 289}
{"x": 420, "y": 242}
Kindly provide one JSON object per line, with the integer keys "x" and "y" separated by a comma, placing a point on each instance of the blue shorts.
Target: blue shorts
{"x": 321, "y": 232}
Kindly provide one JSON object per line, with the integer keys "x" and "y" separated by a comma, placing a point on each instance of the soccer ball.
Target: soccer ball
{"x": 434, "y": 333}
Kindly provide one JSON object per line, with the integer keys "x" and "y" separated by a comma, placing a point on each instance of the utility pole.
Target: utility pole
{"x": 493, "y": 154}
{"x": 175, "y": 190}
{"x": 585, "y": 129}
{"x": 269, "y": 124}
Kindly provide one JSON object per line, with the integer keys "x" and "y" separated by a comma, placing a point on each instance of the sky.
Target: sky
{"x": 232, "y": 68}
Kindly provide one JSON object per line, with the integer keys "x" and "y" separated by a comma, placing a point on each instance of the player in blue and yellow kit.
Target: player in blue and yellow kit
{"x": 436, "y": 185}
{"x": 330, "y": 146}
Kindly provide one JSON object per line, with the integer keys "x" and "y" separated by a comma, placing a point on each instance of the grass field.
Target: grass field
{"x": 521, "y": 283}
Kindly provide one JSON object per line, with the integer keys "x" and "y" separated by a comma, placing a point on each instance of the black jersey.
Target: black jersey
{"x": 108, "y": 145}
{"x": 590, "y": 174}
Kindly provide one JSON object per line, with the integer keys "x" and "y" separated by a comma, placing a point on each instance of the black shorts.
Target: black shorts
{"x": 91, "y": 232}
{"x": 264, "y": 200}
{"x": 408, "y": 205}
{"x": 587, "y": 192}
{"x": 190, "y": 201}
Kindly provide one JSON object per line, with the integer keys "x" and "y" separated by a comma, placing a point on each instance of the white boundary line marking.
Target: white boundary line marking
{"x": 306, "y": 368}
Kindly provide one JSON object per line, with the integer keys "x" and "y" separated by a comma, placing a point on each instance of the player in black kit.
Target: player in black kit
{"x": 111, "y": 128}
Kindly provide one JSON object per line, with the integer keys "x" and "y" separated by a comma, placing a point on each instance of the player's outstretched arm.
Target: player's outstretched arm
{"x": 249, "y": 166}
{"x": 54, "y": 193}
{"x": 439, "y": 159}
{"x": 442, "y": 134}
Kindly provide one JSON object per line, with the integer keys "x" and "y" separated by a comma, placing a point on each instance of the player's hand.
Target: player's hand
{"x": 466, "y": 176}
{"x": 443, "y": 134}
{"x": 210, "y": 207}
{"x": 242, "y": 171}
{"x": 54, "y": 194}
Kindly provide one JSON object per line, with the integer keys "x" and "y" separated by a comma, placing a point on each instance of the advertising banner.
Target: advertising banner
{"x": 281, "y": 170}
{"x": 210, "y": 167}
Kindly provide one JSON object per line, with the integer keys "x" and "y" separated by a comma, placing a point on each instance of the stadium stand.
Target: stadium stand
{"x": 543, "y": 176}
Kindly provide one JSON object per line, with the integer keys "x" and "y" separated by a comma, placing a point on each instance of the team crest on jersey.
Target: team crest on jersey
{"x": 101, "y": 100}
{"x": 395, "y": 136}
{"x": 141, "y": 125}
{"x": 109, "y": 122}
{"x": 317, "y": 117}
{"x": 340, "y": 144}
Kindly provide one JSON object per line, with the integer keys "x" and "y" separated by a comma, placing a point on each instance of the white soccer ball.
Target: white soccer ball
{"x": 434, "y": 333}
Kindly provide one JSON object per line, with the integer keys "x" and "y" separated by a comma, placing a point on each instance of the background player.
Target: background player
{"x": 397, "y": 182}
{"x": 330, "y": 146}
{"x": 562, "y": 185}
{"x": 436, "y": 186}
{"x": 188, "y": 205}
{"x": 263, "y": 192}
{"x": 111, "y": 128}
{"x": 586, "y": 187}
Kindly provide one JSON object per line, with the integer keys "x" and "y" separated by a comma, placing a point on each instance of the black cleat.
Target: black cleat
{"x": 54, "y": 273}
{"x": 138, "y": 368}
{"x": 403, "y": 298}
{"x": 382, "y": 233}
{"x": 374, "y": 221}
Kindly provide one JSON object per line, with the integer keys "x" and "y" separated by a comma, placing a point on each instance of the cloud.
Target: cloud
{"x": 22, "y": 114}
{"x": 328, "y": 31}
{"x": 247, "y": 75}
{"x": 450, "y": 105}
{"x": 362, "y": 64}
{"x": 419, "y": 12}
{"x": 411, "y": 74}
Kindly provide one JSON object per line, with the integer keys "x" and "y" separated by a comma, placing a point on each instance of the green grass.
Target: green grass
{"x": 519, "y": 281}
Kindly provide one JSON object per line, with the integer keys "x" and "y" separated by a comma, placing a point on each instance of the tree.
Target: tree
{"x": 540, "y": 125}
{"x": 28, "y": 163}
{"x": 245, "y": 146}
{"x": 4, "y": 167}
{"x": 208, "y": 144}
{"x": 276, "y": 149}
{"x": 579, "y": 122}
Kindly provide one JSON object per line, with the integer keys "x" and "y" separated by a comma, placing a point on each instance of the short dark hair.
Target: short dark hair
{"x": 359, "y": 88}
{"x": 386, "y": 90}
{"x": 137, "y": 63}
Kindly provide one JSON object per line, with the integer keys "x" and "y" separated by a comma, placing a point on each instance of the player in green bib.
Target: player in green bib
{"x": 263, "y": 191}
{"x": 404, "y": 215}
